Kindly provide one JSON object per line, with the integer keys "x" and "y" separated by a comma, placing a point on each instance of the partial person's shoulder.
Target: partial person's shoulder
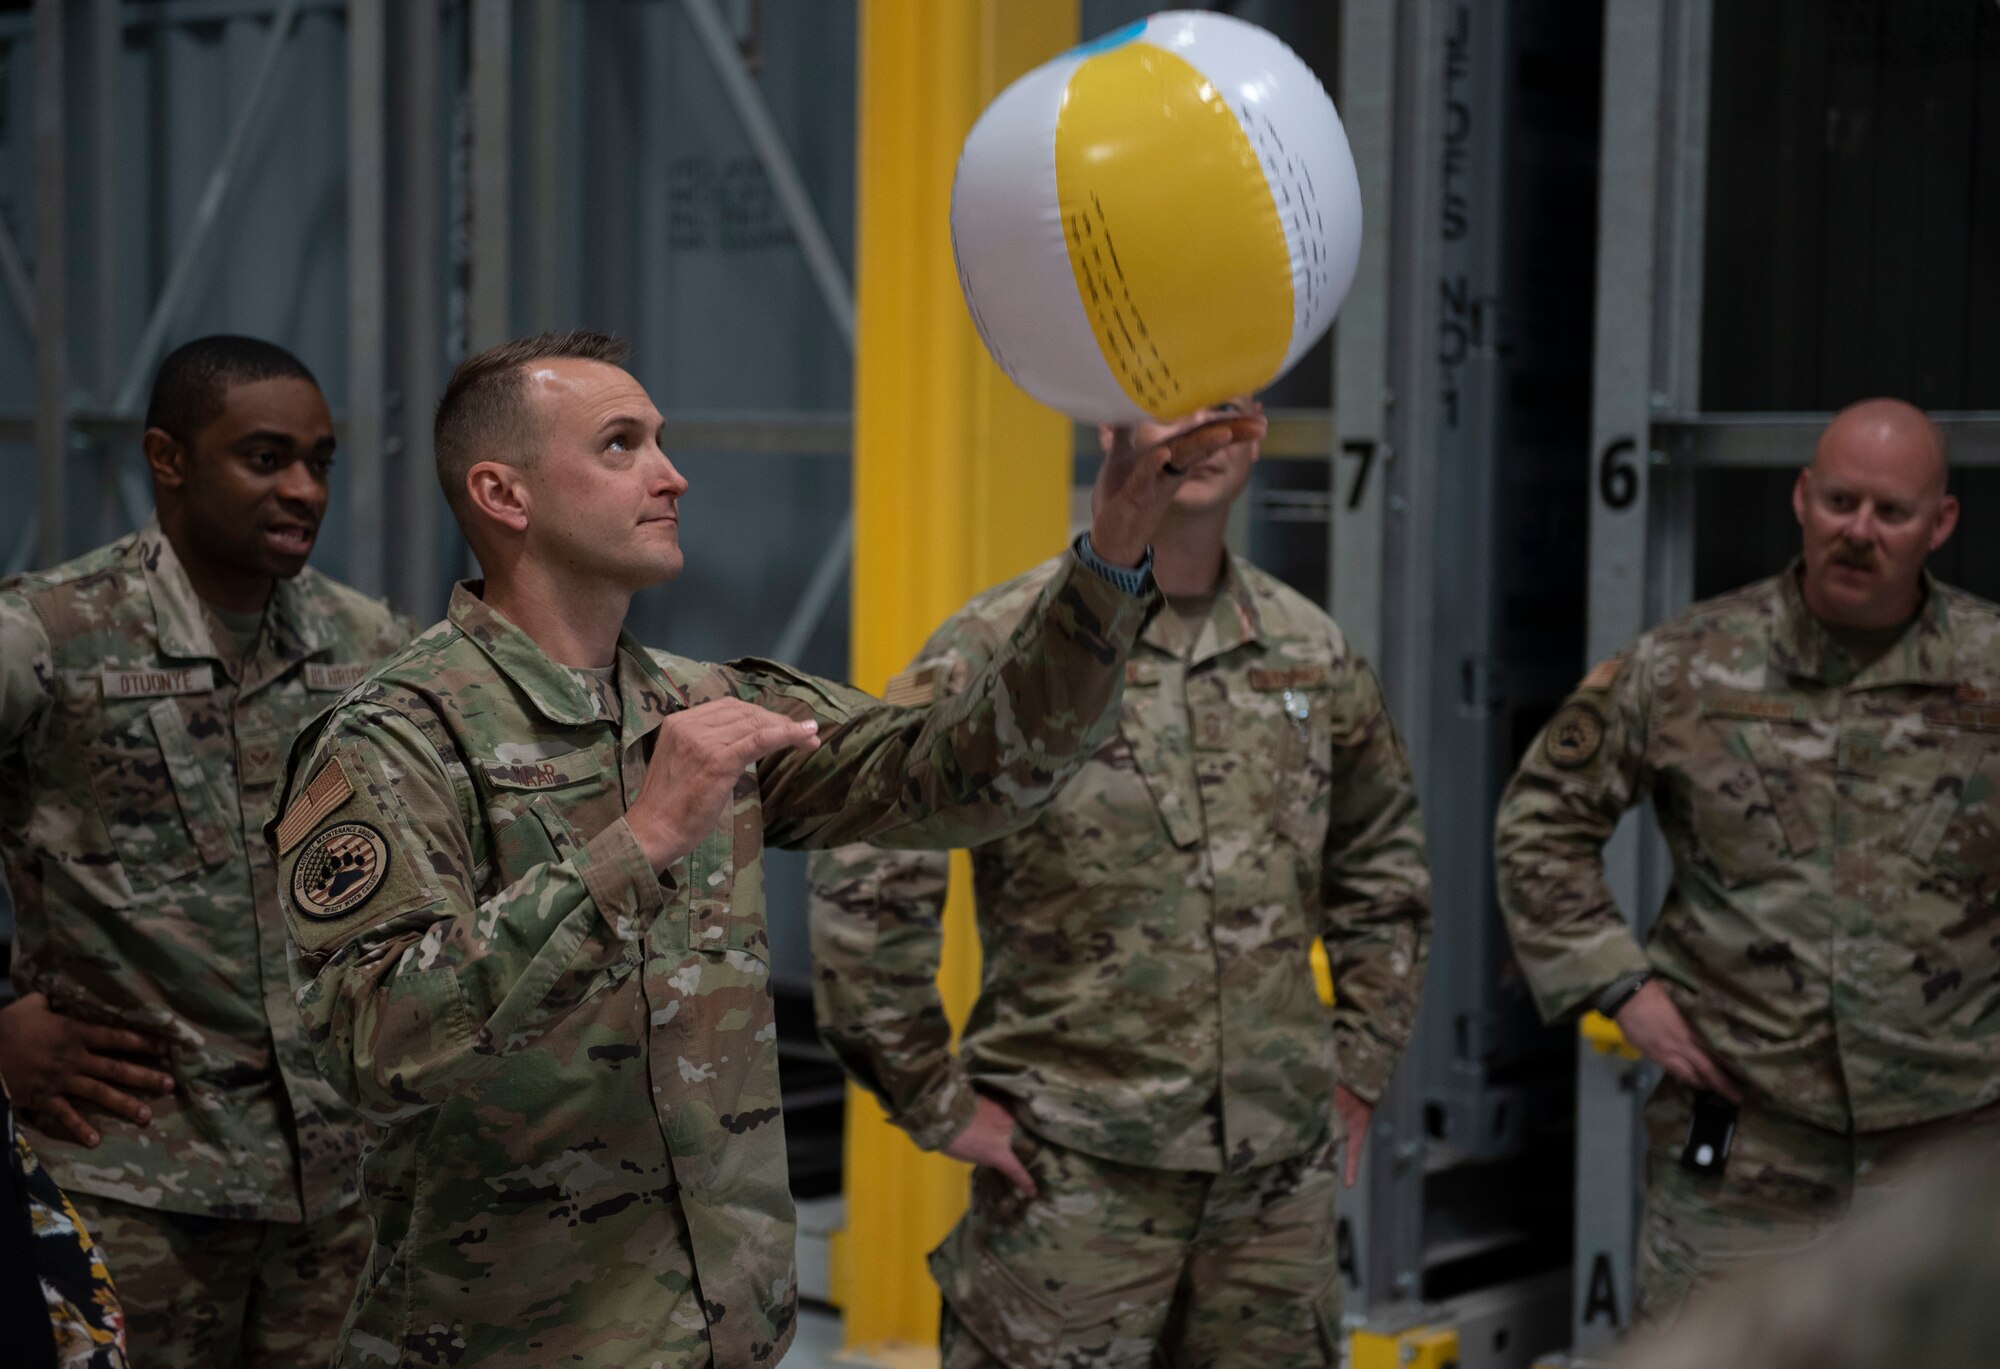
{"x": 695, "y": 681}
{"x": 1005, "y": 604}
{"x": 1974, "y": 623}
{"x": 1744, "y": 612}
{"x": 1286, "y": 614}
{"x": 83, "y": 594}
{"x": 357, "y": 621}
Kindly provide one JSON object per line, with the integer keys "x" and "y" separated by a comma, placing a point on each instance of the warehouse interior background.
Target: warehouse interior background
{"x": 1621, "y": 258}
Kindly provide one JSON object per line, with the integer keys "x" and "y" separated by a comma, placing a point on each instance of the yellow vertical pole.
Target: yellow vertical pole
{"x": 960, "y": 481}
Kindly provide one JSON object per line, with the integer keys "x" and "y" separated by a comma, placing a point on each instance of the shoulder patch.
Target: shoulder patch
{"x": 339, "y": 871}
{"x": 914, "y": 688}
{"x": 1575, "y": 736}
{"x": 1604, "y": 674}
{"x": 330, "y": 788}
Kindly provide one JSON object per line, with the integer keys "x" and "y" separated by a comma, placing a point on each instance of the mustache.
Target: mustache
{"x": 1855, "y": 558}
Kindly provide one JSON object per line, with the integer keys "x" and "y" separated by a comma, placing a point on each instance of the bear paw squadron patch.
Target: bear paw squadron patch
{"x": 340, "y": 869}
{"x": 1575, "y": 736}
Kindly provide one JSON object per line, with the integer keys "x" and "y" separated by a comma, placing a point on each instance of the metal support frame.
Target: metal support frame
{"x": 490, "y": 306}
{"x": 1391, "y": 1255}
{"x": 416, "y": 215}
{"x": 1782, "y": 440}
{"x": 208, "y": 210}
{"x": 822, "y": 262}
{"x": 51, "y": 333}
{"x": 367, "y": 289}
{"x": 769, "y": 145}
{"x": 1361, "y": 397}
{"x": 1648, "y": 315}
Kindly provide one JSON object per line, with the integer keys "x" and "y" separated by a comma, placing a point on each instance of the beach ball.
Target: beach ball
{"x": 1158, "y": 220}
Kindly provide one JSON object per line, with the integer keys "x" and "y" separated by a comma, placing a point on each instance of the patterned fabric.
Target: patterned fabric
{"x": 83, "y": 1317}
{"x": 1907, "y": 1282}
{"x": 573, "y": 1062}
{"x": 1835, "y": 834}
{"x": 137, "y": 762}
{"x": 1788, "y": 1182}
{"x": 215, "y": 1293}
{"x": 1116, "y": 1266}
{"x": 1146, "y": 986}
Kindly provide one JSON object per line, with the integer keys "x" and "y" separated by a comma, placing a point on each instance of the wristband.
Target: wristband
{"x": 1134, "y": 580}
{"x": 1621, "y": 992}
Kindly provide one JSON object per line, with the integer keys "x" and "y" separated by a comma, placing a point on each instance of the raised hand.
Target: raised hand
{"x": 699, "y": 756}
{"x": 1144, "y": 465}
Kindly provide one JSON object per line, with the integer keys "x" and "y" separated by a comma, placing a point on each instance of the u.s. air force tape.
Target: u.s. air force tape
{"x": 339, "y": 870}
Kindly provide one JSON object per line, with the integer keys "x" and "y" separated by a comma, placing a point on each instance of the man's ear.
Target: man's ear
{"x": 166, "y": 458}
{"x": 499, "y": 493}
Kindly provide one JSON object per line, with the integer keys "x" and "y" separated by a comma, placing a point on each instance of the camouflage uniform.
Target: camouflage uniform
{"x": 138, "y": 759}
{"x": 1908, "y": 1281}
{"x": 1147, "y": 1006}
{"x": 1830, "y": 930}
{"x": 573, "y": 1061}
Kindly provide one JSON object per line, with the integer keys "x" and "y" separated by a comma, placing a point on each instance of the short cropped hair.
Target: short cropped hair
{"x": 485, "y": 412}
{"x": 192, "y": 384}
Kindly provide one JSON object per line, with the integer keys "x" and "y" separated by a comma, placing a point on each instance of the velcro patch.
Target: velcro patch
{"x": 1971, "y": 717}
{"x": 320, "y": 675}
{"x": 914, "y": 688}
{"x": 1604, "y": 674}
{"x": 156, "y": 683}
{"x": 1270, "y": 680}
{"x": 1575, "y": 736}
{"x": 339, "y": 871}
{"x": 1731, "y": 703}
{"x": 330, "y": 788}
{"x": 553, "y": 773}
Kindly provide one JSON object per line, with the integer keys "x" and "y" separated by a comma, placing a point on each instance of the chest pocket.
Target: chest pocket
{"x": 1957, "y": 832}
{"x": 159, "y": 803}
{"x": 1302, "y": 719}
{"x": 1137, "y": 797}
{"x": 724, "y": 883}
{"x": 1747, "y": 811}
{"x": 545, "y": 806}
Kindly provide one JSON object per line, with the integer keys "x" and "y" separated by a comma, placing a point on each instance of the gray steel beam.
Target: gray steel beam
{"x": 207, "y": 212}
{"x": 490, "y": 308}
{"x": 367, "y": 290}
{"x": 1392, "y": 1254}
{"x": 1782, "y": 440}
{"x": 15, "y": 277}
{"x": 821, "y": 260}
{"x": 51, "y": 332}
{"x": 106, "y": 42}
{"x": 548, "y": 203}
{"x": 1361, "y": 337}
{"x": 418, "y": 214}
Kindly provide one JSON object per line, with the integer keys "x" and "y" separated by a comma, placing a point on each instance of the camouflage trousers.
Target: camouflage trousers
{"x": 213, "y": 1292}
{"x": 1111, "y": 1265}
{"x": 1787, "y": 1182}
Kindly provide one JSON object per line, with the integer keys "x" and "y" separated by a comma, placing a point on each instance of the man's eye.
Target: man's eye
{"x": 619, "y": 444}
{"x": 267, "y": 461}
{"x": 320, "y": 466}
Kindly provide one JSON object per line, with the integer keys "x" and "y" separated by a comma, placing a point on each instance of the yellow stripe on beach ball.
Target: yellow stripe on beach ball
{"x": 1173, "y": 233}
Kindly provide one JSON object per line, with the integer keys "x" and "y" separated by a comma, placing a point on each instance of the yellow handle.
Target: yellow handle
{"x": 1604, "y": 1037}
